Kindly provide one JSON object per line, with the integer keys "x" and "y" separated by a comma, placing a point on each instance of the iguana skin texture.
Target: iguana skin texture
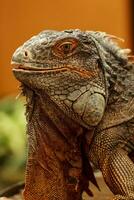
{"x": 79, "y": 88}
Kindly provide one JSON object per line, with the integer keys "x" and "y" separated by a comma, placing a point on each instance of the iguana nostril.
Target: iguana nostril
{"x": 25, "y": 53}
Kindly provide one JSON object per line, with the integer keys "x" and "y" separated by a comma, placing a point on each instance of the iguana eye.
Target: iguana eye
{"x": 65, "y": 47}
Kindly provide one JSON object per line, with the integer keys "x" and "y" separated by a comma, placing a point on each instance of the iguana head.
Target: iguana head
{"x": 67, "y": 66}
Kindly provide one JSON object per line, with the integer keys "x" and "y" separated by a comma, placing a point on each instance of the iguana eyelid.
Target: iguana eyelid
{"x": 60, "y": 50}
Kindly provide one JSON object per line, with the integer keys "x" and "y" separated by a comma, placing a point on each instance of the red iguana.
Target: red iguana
{"x": 79, "y": 87}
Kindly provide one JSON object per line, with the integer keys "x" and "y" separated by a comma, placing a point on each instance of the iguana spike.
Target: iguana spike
{"x": 125, "y": 51}
{"x": 108, "y": 68}
{"x": 19, "y": 95}
{"x": 113, "y": 37}
{"x": 131, "y": 58}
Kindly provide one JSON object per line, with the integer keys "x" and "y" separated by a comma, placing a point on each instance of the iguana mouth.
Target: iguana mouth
{"x": 82, "y": 72}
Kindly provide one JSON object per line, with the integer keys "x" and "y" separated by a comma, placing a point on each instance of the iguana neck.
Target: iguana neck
{"x": 54, "y": 153}
{"x": 118, "y": 76}
{"x": 121, "y": 91}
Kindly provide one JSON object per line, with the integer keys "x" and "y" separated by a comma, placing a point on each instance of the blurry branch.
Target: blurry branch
{"x": 12, "y": 190}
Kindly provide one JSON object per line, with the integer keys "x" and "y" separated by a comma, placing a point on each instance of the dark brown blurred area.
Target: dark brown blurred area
{"x": 19, "y": 20}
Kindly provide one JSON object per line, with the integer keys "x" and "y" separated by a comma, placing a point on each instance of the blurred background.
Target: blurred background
{"x": 19, "y": 20}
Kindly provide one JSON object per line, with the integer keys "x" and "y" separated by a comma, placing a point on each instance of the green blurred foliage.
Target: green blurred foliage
{"x": 12, "y": 140}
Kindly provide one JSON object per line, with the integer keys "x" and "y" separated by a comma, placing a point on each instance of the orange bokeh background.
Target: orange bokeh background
{"x": 20, "y": 20}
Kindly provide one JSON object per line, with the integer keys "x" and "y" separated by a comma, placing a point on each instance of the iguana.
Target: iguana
{"x": 79, "y": 88}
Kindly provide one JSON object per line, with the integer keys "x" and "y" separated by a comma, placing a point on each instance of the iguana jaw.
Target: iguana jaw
{"x": 25, "y": 67}
{"x": 78, "y": 100}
